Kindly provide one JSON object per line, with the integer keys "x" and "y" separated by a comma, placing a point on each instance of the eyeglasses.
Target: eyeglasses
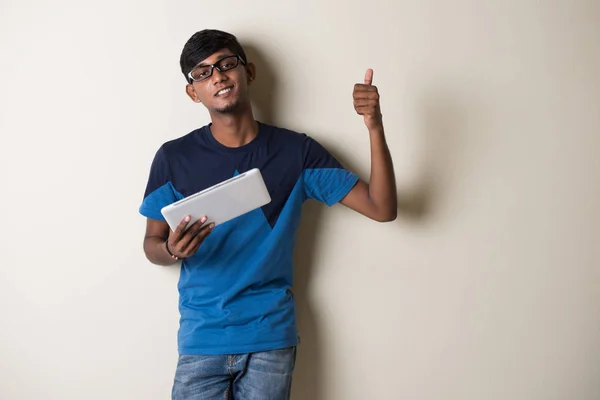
{"x": 204, "y": 72}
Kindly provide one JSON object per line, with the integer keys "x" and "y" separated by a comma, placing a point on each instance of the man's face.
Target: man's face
{"x": 222, "y": 92}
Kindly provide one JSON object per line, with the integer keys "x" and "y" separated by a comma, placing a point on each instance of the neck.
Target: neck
{"x": 234, "y": 130}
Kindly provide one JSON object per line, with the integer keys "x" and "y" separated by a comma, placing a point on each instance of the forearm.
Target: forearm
{"x": 156, "y": 251}
{"x": 382, "y": 182}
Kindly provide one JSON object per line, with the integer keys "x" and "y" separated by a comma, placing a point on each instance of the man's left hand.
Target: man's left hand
{"x": 366, "y": 102}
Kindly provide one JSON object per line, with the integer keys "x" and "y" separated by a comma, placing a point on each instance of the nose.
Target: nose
{"x": 218, "y": 76}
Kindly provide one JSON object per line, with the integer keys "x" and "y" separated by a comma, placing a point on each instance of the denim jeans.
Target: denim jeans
{"x": 262, "y": 375}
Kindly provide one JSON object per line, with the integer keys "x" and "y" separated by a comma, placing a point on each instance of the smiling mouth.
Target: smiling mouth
{"x": 223, "y": 91}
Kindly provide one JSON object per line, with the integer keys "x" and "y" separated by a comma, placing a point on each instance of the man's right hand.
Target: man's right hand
{"x": 184, "y": 243}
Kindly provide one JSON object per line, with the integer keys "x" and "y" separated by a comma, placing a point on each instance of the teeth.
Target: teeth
{"x": 220, "y": 92}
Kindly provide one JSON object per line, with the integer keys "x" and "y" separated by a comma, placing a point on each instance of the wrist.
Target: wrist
{"x": 374, "y": 124}
{"x": 376, "y": 129}
{"x": 169, "y": 252}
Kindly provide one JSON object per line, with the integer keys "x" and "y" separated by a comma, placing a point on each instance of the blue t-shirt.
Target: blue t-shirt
{"x": 235, "y": 292}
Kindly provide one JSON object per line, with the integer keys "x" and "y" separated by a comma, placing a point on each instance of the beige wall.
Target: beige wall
{"x": 486, "y": 287}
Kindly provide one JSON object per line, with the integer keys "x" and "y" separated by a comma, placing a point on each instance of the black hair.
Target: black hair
{"x": 204, "y": 43}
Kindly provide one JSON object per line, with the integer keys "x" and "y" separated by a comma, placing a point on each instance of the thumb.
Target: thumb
{"x": 369, "y": 77}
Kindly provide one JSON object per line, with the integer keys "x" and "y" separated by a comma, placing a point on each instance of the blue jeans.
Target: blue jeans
{"x": 262, "y": 375}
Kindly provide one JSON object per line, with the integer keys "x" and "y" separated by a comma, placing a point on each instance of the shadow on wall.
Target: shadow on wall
{"x": 264, "y": 89}
{"x": 438, "y": 130}
{"x": 441, "y": 117}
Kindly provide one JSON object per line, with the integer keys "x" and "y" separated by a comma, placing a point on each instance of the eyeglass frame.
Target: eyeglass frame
{"x": 213, "y": 66}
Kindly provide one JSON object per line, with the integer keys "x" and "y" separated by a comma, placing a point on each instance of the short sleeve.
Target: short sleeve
{"x": 159, "y": 188}
{"x": 325, "y": 179}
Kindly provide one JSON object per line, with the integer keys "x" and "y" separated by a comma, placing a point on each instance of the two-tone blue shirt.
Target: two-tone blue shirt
{"x": 235, "y": 292}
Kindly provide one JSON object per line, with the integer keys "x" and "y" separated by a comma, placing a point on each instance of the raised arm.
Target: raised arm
{"x": 376, "y": 199}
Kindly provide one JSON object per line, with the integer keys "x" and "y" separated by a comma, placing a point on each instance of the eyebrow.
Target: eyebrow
{"x": 222, "y": 56}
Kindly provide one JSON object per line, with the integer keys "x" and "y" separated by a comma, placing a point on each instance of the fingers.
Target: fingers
{"x": 198, "y": 238}
{"x": 366, "y": 102}
{"x": 367, "y": 87}
{"x": 188, "y": 235}
{"x": 183, "y": 240}
{"x": 367, "y": 95}
{"x": 362, "y": 88}
{"x": 367, "y": 106}
{"x": 369, "y": 77}
{"x": 366, "y": 110}
{"x": 180, "y": 228}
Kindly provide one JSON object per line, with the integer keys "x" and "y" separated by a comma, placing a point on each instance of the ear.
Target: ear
{"x": 250, "y": 73}
{"x": 191, "y": 92}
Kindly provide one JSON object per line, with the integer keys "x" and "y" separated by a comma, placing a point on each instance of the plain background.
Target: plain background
{"x": 487, "y": 286}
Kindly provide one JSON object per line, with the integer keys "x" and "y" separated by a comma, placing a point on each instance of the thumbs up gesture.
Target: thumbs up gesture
{"x": 366, "y": 102}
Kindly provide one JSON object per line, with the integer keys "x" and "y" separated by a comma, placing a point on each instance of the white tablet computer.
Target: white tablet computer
{"x": 221, "y": 202}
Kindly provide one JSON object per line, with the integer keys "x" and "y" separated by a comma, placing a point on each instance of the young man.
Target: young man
{"x": 237, "y": 336}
